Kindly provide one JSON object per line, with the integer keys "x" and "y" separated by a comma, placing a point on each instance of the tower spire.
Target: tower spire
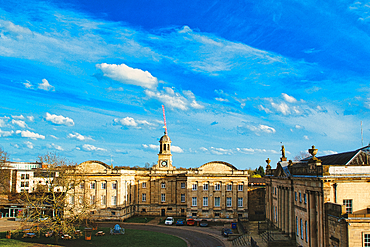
{"x": 164, "y": 119}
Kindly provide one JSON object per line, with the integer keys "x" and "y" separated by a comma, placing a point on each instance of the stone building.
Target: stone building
{"x": 321, "y": 201}
{"x": 216, "y": 190}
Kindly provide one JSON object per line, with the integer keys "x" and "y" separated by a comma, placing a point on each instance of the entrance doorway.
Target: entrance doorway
{"x": 163, "y": 213}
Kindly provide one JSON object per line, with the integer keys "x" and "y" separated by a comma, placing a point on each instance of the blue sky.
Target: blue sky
{"x": 87, "y": 79}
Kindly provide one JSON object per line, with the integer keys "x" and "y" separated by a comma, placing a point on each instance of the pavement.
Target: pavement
{"x": 8, "y": 224}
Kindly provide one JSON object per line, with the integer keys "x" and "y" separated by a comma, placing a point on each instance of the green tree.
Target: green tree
{"x": 260, "y": 171}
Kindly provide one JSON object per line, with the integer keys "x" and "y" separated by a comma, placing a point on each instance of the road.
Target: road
{"x": 195, "y": 238}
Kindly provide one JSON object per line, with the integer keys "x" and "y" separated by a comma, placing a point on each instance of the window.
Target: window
{"x": 163, "y": 185}
{"x": 205, "y": 186}
{"x": 228, "y": 201}
{"x": 295, "y": 196}
{"x": 22, "y": 184}
{"x": 81, "y": 185}
{"x": 182, "y": 185}
{"x": 217, "y": 201}
{"x": 103, "y": 200}
{"x": 301, "y": 229}
{"x": 305, "y": 229}
{"x": 163, "y": 197}
{"x": 194, "y": 214}
{"x": 143, "y": 197}
{"x": 144, "y": 184}
{"x": 195, "y": 186}
{"x": 103, "y": 185}
{"x": 114, "y": 200}
{"x": 27, "y": 184}
{"x": 275, "y": 191}
{"x": 92, "y": 185}
{"x": 72, "y": 199}
{"x": 114, "y": 186}
{"x": 27, "y": 176}
{"x": 92, "y": 199}
{"x": 348, "y": 204}
{"x": 23, "y": 176}
{"x": 193, "y": 201}
{"x": 205, "y": 201}
{"x": 229, "y": 187}
{"x": 182, "y": 197}
{"x": 240, "y": 202}
{"x": 300, "y": 197}
{"x": 305, "y": 198}
{"x": 296, "y": 222}
{"x": 217, "y": 186}
{"x": 366, "y": 240}
{"x": 240, "y": 187}
{"x": 217, "y": 214}
{"x": 80, "y": 199}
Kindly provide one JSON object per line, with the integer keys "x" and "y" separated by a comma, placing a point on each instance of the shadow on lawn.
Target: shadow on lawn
{"x": 131, "y": 238}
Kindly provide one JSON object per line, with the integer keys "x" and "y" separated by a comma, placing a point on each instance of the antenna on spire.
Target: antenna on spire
{"x": 164, "y": 118}
{"x": 362, "y": 136}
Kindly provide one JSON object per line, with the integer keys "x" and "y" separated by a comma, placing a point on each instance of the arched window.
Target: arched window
{"x": 301, "y": 229}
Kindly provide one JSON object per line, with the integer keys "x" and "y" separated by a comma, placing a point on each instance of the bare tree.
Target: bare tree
{"x": 4, "y": 173}
{"x": 58, "y": 203}
{"x": 302, "y": 155}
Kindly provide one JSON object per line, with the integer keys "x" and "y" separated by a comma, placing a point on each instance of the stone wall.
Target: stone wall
{"x": 256, "y": 204}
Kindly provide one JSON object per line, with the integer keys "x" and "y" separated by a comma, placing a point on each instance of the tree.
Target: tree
{"x": 302, "y": 155}
{"x": 260, "y": 171}
{"x": 4, "y": 172}
{"x": 59, "y": 201}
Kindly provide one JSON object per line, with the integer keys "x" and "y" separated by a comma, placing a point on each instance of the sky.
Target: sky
{"x": 238, "y": 79}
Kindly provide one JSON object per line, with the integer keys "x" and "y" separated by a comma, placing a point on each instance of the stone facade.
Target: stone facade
{"x": 298, "y": 193}
{"x": 215, "y": 190}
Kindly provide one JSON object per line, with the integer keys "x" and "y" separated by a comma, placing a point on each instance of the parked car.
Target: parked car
{"x": 180, "y": 222}
{"x": 203, "y": 223}
{"x": 169, "y": 221}
{"x": 226, "y": 232}
{"x": 190, "y": 222}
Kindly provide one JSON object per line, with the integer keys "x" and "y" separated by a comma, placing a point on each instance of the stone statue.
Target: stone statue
{"x": 283, "y": 151}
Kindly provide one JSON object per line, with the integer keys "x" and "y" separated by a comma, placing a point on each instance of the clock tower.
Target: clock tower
{"x": 164, "y": 155}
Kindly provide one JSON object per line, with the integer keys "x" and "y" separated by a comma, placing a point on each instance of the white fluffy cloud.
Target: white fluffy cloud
{"x": 90, "y": 148}
{"x": 282, "y": 107}
{"x": 176, "y": 149}
{"x": 328, "y": 152}
{"x": 128, "y": 75}
{"x": 175, "y": 100}
{"x": 29, "y": 144}
{"x": 220, "y": 151}
{"x": 29, "y": 134}
{"x": 288, "y": 98}
{"x": 60, "y": 120}
{"x": 18, "y": 117}
{"x": 151, "y": 146}
{"x": 54, "y": 146}
{"x": 6, "y": 133}
{"x": 256, "y": 150}
{"x": 131, "y": 122}
{"x": 20, "y": 123}
{"x": 79, "y": 137}
{"x": 46, "y": 86}
{"x": 261, "y": 128}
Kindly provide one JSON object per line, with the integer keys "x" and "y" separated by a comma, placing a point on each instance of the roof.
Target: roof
{"x": 165, "y": 138}
{"x": 220, "y": 162}
{"x": 338, "y": 159}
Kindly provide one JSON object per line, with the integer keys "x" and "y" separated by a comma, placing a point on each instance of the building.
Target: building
{"x": 321, "y": 201}
{"x": 215, "y": 191}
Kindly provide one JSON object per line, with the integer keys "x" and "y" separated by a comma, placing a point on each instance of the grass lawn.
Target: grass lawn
{"x": 139, "y": 219}
{"x": 130, "y": 238}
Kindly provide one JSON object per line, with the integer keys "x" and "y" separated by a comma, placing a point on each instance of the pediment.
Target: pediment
{"x": 93, "y": 166}
{"x": 279, "y": 171}
{"x": 217, "y": 167}
{"x": 361, "y": 158}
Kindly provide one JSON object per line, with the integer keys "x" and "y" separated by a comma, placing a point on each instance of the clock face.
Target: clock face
{"x": 164, "y": 163}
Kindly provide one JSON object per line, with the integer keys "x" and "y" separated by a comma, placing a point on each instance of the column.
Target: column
{"x": 312, "y": 219}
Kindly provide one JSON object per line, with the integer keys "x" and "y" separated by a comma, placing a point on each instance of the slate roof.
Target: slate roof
{"x": 338, "y": 159}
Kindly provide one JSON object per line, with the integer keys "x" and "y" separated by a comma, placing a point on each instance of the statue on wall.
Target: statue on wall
{"x": 283, "y": 151}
